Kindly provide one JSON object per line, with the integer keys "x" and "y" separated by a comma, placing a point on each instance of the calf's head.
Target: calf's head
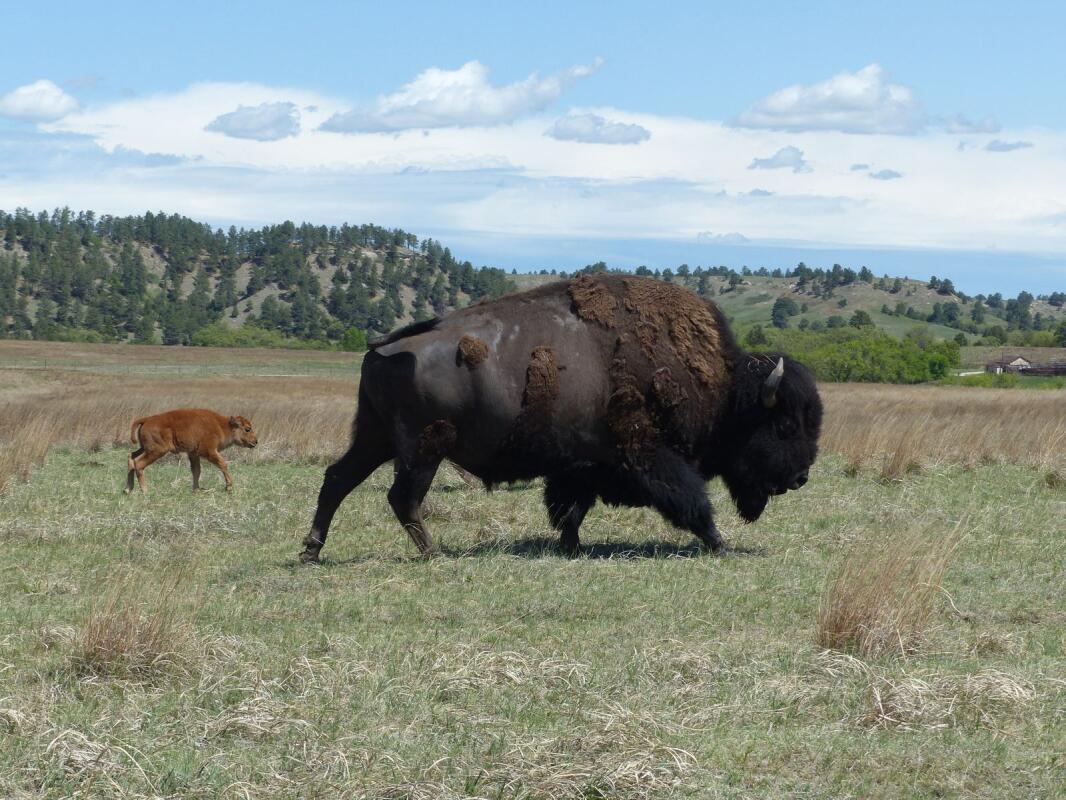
{"x": 777, "y": 418}
{"x": 242, "y": 432}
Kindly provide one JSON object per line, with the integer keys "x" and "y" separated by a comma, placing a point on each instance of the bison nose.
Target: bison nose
{"x": 799, "y": 480}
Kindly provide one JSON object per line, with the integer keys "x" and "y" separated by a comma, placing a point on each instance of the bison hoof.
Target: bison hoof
{"x": 570, "y": 549}
{"x": 309, "y": 557}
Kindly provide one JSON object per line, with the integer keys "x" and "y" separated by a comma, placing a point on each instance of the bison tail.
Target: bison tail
{"x": 134, "y": 438}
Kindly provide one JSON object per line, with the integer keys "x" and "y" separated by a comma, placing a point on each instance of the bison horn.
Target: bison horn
{"x": 769, "y": 389}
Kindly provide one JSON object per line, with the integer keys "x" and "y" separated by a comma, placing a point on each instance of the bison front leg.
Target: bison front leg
{"x": 406, "y": 496}
{"x": 679, "y": 493}
{"x": 568, "y": 499}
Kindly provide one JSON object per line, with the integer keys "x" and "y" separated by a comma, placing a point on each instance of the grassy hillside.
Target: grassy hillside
{"x": 750, "y": 300}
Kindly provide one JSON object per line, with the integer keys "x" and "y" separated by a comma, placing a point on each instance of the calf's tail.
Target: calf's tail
{"x": 134, "y": 438}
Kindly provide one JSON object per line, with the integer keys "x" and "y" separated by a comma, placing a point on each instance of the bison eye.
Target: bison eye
{"x": 785, "y": 427}
{"x": 248, "y": 429}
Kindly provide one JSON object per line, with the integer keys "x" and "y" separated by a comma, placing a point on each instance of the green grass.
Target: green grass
{"x": 504, "y": 670}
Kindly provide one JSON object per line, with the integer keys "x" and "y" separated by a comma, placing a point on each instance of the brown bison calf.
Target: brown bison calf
{"x": 196, "y": 431}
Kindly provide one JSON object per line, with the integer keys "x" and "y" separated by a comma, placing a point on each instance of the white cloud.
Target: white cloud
{"x": 786, "y": 158}
{"x": 859, "y": 102}
{"x": 961, "y": 124}
{"x": 441, "y": 98}
{"x": 594, "y": 129}
{"x": 690, "y": 176}
{"x": 41, "y": 101}
{"x": 266, "y": 122}
{"x": 706, "y": 237}
{"x": 1000, "y": 146}
{"x": 886, "y": 175}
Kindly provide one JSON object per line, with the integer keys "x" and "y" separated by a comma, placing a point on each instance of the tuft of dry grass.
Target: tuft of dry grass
{"x": 881, "y": 597}
{"x": 126, "y": 637}
{"x": 935, "y": 702}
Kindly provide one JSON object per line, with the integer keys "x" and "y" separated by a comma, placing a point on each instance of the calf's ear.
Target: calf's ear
{"x": 234, "y": 422}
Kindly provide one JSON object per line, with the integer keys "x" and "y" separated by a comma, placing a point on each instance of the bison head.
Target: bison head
{"x": 242, "y": 432}
{"x": 776, "y": 419}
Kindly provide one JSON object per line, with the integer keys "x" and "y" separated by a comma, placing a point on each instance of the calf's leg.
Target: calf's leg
{"x": 216, "y": 459}
{"x": 568, "y": 499}
{"x": 370, "y": 449}
{"x": 142, "y": 462}
{"x": 130, "y": 465}
{"x": 194, "y": 465}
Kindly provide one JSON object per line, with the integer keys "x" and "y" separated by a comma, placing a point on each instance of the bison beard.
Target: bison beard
{"x": 618, "y": 388}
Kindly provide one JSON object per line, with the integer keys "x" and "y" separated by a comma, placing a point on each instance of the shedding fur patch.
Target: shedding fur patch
{"x": 437, "y": 439}
{"x": 531, "y": 433}
{"x": 593, "y": 301}
{"x": 471, "y": 351}
{"x": 627, "y": 414}
{"x": 542, "y": 383}
{"x": 668, "y": 392}
{"x": 667, "y": 313}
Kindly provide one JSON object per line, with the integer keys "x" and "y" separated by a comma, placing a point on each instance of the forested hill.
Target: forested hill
{"x": 166, "y": 278}
{"x": 169, "y": 279}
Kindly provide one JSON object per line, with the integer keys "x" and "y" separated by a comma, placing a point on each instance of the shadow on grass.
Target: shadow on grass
{"x": 537, "y": 547}
{"x": 543, "y": 546}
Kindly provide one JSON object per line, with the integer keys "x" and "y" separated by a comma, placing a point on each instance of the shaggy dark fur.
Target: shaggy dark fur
{"x": 624, "y": 389}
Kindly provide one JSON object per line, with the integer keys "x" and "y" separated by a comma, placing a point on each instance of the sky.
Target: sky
{"x": 915, "y": 138}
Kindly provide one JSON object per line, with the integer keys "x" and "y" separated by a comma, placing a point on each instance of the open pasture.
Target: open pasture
{"x": 169, "y": 645}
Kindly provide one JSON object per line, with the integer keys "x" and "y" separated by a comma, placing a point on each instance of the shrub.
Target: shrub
{"x": 353, "y": 340}
{"x": 219, "y": 334}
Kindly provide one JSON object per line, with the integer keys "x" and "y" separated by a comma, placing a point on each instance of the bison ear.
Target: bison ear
{"x": 773, "y": 380}
{"x": 234, "y": 422}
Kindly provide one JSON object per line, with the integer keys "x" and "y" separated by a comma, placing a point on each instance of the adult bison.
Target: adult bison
{"x": 626, "y": 389}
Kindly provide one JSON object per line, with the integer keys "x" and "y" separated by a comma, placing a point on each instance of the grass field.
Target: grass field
{"x": 170, "y": 646}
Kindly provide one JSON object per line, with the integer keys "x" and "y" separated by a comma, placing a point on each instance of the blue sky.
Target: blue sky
{"x": 534, "y": 134}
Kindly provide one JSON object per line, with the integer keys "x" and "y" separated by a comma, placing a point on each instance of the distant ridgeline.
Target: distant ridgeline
{"x": 168, "y": 279}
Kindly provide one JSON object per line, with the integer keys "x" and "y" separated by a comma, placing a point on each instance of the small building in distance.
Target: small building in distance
{"x": 1008, "y": 364}
{"x": 1020, "y": 365}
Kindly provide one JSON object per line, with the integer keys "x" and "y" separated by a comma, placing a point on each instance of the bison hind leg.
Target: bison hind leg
{"x": 370, "y": 448}
{"x": 406, "y": 496}
{"x": 568, "y": 497}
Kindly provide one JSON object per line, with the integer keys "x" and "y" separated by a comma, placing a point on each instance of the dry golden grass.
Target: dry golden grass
{"x": 127, "y": 636}
{"x": 898, "y": 429}
{"x": 882, "y": 596}
{"x": 894, "y": 430}
{"x": 936, "y": 702}
{"x": 296, "y": 417}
